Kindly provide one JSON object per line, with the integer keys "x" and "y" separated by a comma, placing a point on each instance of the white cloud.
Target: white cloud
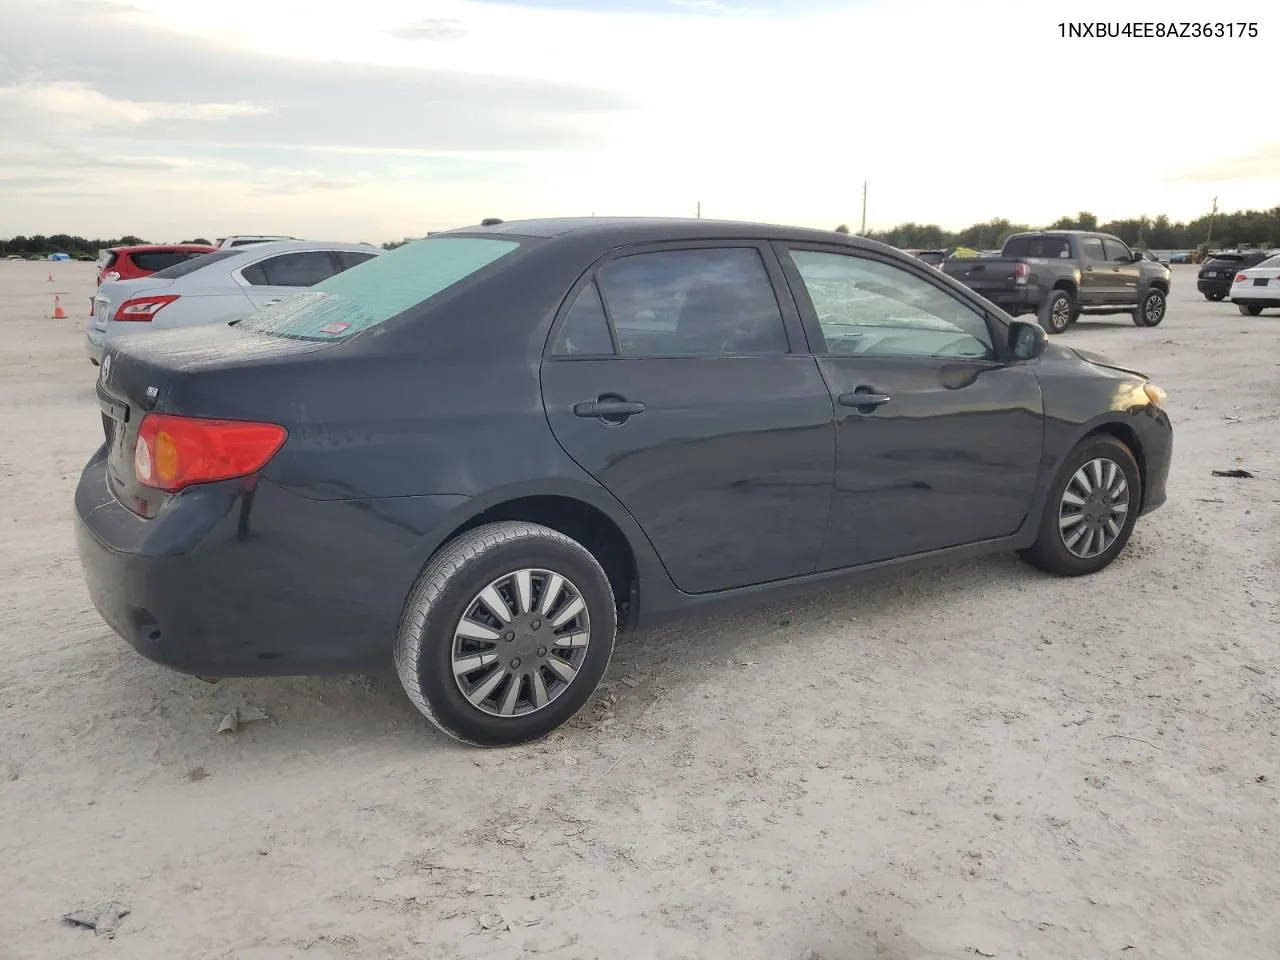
{"x": 68, "y": 103}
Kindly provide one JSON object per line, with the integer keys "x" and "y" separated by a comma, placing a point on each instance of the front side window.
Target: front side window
{"x": 291, "y": 270}
{"x": 386, "y": 286}
{"x": 693, "y": 303}
{"x": 871, "y": 308}
{"x": 1091, "y": 248}
{"x": 1116, "y": 251}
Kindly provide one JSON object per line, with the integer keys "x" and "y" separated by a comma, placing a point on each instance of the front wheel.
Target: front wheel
{"x": 1090, "y": 511}
{"x": 1057, "y": 312}
{"x": 1151, "y": 310}
{"x": 1249, "y": 309}
{"x": 506, "y": 634}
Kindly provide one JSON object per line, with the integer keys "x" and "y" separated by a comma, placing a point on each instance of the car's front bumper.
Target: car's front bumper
{"x": 245, "y": 579}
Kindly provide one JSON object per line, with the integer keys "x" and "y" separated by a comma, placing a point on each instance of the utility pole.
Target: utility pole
{"x": 699, "y": 209}
{"x": 1212, "y": 214}
{"x": 863, "y": 231}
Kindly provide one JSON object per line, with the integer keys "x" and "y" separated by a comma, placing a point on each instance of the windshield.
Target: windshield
{"x": 378, "y": 289}
{"x": 198, "y": 262}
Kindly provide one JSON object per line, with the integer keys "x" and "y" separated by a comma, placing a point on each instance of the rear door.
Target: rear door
{"x": 938, "y": 441}
{"x": 278, "y": 277}
{"x": 681, "y": 380}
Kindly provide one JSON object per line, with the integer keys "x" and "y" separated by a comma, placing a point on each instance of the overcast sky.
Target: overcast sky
{"x": 378, "y": 119}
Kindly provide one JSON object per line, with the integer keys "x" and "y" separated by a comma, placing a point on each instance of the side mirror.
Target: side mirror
{"x": 1137, "y": 257}
{"x": 1027, "y": 339}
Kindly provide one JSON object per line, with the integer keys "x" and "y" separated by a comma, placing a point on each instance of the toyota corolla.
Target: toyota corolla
{"x": 480, "y": 455}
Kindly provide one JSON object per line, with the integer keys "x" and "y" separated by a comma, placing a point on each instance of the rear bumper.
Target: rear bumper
{"x": 1221, "y": 287}
{"x": 1017, "y": 300}
{"x": 95, "y": 344}
{"x": 246, "y": 579}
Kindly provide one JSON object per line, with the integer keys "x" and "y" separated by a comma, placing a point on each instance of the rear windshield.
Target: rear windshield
{"x": 1049, "y": 247}
{"x": 198, "y": 262}
{"x": 106, "y": 258}
{"x": 379, "y": 289}
{"x": 1271, "y": 263}
{"x": 155, "y": 260}
{"x": 1225, "y": 257}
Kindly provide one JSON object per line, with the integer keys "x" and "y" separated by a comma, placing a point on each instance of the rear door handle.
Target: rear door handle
{"x": 608, "y": 409}
{"x": 864, "y": 399}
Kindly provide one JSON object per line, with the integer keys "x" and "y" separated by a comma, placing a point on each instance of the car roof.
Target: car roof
{"x": 297, "y": 246}
{"x": 619, "y": 230}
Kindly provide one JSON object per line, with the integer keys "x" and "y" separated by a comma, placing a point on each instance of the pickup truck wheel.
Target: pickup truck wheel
{"x": 1058, "y": 311}
{"x": 1150, "y": 311}
{"x": 1249, "y": 309}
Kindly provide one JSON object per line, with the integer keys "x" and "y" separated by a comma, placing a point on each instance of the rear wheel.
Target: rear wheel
{"x": 1058, "y": 311}
{"x": 506, "y": 634}
{"x": 1215, "y": 297}
{"x": 1091, "y": 509}
{"x": 1249, "y": 309}
{"x": 1150, "y": 311}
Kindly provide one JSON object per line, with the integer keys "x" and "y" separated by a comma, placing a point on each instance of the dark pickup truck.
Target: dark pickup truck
{"x": 1060, "y": 274}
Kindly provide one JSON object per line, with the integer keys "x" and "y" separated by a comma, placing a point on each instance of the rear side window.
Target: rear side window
{"x": 304, "y": 269}
{"x": 385, "y": 286}
{"x": 154, "y": 260}
{"x": 693, "y": 303}
{"x": 586, "y": 329}
{"x": 196, "y": 263}
{"x": 349, "y": 258}
{"x": 1053, "y": 248}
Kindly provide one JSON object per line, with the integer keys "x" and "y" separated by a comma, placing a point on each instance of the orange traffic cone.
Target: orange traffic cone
{"x": 51, "y": 276}
{"x": 58, "y": 312}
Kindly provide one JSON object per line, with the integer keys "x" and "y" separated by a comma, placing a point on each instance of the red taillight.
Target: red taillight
{"x": 1020, "y": 272}
{"x": 1240, "y": 277}
{"x": 143, "y": 308}
{"x": 175, "y": 452}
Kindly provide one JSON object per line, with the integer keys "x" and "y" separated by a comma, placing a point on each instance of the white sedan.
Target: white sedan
{"x": 214, "y": 288}
{"x": 1257, "y": 288}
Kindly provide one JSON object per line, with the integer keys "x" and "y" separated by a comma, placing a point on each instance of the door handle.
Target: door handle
{"x": 610, "y": 409}
{"x": 864, "y": 399}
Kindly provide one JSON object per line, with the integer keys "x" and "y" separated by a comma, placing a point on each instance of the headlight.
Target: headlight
{"x": 1154, "y": 394}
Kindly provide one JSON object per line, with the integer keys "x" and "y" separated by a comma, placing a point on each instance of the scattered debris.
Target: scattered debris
{"x": 103, "y": 919}
{"x": 1230, "y": 419}
{"x": 1235, "y": 473}
{"x": 238, "y": 717}
{"x": 489, "y": 921}
{"x": 981, "y": 953}
{"x": 1121, "y": 736}
{"x": 631, "y": 682}
{"x": 196, "y": 774}
{"x": 1261, "y": 778}
{"x": 1258, "y": 670}
{"x": 1210, "y": 500}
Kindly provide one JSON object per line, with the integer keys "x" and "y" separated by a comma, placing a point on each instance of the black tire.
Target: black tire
{"x": 1215, "y": 297}
{"x": 1249, "y": 309}
{"x": 447, "y": 590}
{"x": 1050, "y": 551}
{"x": 1058, "y": 311}
{"x": 1150, "y": 309}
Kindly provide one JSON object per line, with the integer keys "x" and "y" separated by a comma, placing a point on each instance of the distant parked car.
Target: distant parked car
{"x": 1257, "y": 288}
{"x": 1219, "y": 270}
{"x": 479, "y": 454}
{"x": 933, "y": 258}
{"x": 130, "y": 263}
{"x": 215, "y": 287}
{"x": 1151, "y": 257}
{"x": 1180, "y": 257}
{"x": 227, "y": 243}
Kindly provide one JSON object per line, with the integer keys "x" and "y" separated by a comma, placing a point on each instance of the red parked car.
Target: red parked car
{"x": 129, "y": 263}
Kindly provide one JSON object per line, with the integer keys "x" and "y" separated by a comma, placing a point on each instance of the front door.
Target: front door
{"x": 680, "y": 381}
{"x": 938, "y": 442}
{"x": 1096, "y": 286}
{"x": 1126, "y": 273}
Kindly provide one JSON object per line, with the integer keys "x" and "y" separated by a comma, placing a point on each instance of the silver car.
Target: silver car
{"x": 214, "y": 288}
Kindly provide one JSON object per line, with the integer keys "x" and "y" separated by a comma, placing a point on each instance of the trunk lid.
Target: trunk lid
{"x": 112, "y": 293}
{"x": 136, "y": 376}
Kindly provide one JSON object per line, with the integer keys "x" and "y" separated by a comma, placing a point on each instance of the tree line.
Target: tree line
{"x": 41, "y": 245}
{"x": 1243, "y": 228}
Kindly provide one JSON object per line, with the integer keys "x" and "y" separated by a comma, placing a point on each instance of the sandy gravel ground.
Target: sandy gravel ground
{"x": 978, "y": 761}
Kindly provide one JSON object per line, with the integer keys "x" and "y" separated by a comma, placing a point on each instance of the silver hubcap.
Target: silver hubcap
{"x": 1154, "y": 310}
{"x": 520, "y": 642}
{"x": 1061, "y": 314}
{"x": 1094, "y": 507}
